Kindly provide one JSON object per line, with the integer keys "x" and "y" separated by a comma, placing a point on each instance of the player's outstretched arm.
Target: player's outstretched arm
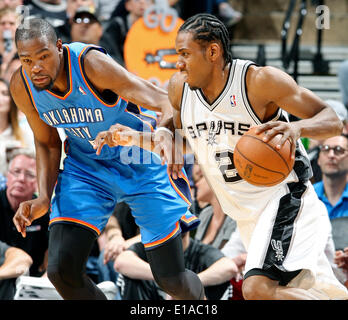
{"x": 162, "y": 142}
{"x": 105, "y": 73}
{"x": 48, "y": 153}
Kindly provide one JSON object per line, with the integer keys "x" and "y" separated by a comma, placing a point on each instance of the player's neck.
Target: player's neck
{"x": 216, "y": 83}
{"x": 61, "y": 82}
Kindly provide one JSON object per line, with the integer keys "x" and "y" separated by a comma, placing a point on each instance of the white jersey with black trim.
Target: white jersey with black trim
{"x": 213, "y": 130}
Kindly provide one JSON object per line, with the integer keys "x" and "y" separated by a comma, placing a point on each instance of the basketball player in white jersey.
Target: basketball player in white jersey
{"x": 215, "y": 100}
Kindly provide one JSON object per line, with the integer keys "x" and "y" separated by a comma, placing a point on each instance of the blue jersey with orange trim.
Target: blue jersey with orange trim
{"x": 87, "y": 190}
{"x": 82, "y": 111}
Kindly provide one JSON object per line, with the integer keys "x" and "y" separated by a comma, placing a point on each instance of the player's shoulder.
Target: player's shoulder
{"x": 175, "y": 89}
{"x": 16, "y": 82}
{"x": 259, "y": 77}
{"x": 259, "y": 74}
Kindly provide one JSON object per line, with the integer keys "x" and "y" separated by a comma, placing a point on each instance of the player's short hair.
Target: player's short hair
{"x": 207, "y": 28}
{"x": 35, "y": 28}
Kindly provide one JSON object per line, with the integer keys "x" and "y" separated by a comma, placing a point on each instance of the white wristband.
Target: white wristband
{"x": 164, "y": 129}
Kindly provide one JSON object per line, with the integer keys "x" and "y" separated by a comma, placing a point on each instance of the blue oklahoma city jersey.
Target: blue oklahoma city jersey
{"x": 89, "y": 187}
{"x": 82, "y": 111}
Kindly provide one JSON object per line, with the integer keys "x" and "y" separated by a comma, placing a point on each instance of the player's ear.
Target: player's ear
{"x": 214, "y": 51}
{"x": 59, "y": 45}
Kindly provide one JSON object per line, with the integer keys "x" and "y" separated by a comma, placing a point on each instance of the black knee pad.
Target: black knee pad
{"x": 185, "y": 285}
{"x": 65, "y": 271}
{"x": 69, "y": 247}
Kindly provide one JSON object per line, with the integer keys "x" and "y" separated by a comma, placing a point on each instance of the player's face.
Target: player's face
{"x": 192, "y": 61}
{"x": 333, "y": 156}
{"x": 40, "y": 60}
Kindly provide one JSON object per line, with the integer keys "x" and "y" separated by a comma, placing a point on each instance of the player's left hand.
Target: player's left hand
{"x": 289, "y": 131}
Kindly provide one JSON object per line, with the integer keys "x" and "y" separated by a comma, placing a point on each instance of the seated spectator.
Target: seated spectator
{"x": 10, "y": 4}
{"x": 8, "y": 25}
{"x": 136, "y": 281}
{"x": 13, "y": 263}
{"x": 13, "y": 134}
{"x": 333, "y": 189}
{"x": 106, "y": 8}
{"x": 235, "y": 250}
{"x": 341, "y": 259}
{"x": 343, "y": 81}
{"x": 12, "y": 66}
{"x": 119, "y": 234}
{"x": 313, "y": 151}
{"x": 116, "y": 32}
{"x": 64, "y": 30}
{"x": 2, "y": 181}
{"x": 54, "y": 11}
{"x": 21, "y": 186}
{"x": 215, "y": 227}
{"x": 220, "y": 8}
{"x": 86, "y": 27}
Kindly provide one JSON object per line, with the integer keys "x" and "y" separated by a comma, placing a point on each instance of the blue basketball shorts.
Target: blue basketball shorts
{"x": 87, "y": 191}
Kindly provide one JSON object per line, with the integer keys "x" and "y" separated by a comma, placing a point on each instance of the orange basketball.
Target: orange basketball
{"x": 259, "y": 162}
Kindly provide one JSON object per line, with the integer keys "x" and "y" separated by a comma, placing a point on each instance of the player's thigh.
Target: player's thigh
{"x": 80, "y": 199}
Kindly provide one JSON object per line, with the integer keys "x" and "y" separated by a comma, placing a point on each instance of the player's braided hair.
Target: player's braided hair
{"x": 34, "y": 28}
{"x": 207, "y": 28}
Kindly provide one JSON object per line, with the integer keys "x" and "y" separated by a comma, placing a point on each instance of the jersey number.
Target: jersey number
{"x": 226, "y": 166}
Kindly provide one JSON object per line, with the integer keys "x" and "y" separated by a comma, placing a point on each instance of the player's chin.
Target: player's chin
{"x": 43, "y": 86}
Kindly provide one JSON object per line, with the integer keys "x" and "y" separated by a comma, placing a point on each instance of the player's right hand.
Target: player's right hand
{"x": 27, "y": 212}
{"x": 117, "y": 135}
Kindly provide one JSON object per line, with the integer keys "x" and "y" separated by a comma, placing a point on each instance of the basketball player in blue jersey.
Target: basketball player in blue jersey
{"x": 285, "y": 228}
{"x": 79, "y": 88}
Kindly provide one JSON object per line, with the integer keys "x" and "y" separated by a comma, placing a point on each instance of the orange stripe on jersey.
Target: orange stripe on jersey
{"x": 189, "y": 219}
{"x": 158, "y": 242}
{"x": 86, "y": 224}
{"x": 87, "y": 84}
{"x": 66, "y": 146}
{"x": 28, "y": 86}
{"x": 148, "y": 123}
{"x": 70, "y": 80}
{"x": 177, "y": 190}
{"x": 145, "y": 114}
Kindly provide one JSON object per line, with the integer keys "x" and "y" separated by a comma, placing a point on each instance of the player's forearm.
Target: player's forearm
{"x": 221, "y": 271}
{"x": 48, "y": 161}
{"x": 153, "y": 141}
{"x": 323, "y": 125}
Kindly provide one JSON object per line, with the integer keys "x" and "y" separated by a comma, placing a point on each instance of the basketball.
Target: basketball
{"x": 261, "y": 163}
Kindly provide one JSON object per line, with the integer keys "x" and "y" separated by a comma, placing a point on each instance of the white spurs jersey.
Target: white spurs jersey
{"x": 213, "y": 130}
